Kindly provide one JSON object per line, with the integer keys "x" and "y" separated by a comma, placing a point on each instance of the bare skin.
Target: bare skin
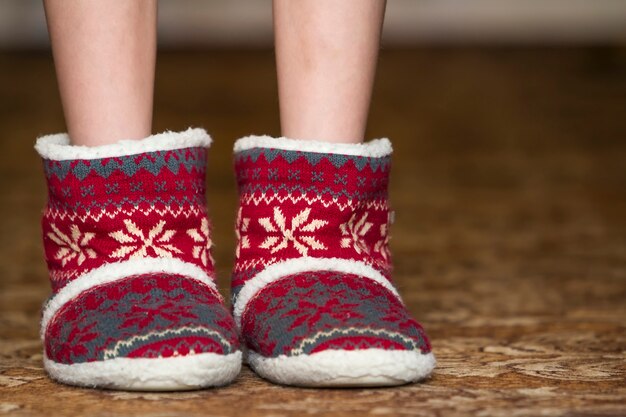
{"x": 104, "y": 54}
{"x": 326, "y": 55}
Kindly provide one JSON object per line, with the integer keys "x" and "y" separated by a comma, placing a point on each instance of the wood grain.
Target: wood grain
{"x": 509, "y": 186}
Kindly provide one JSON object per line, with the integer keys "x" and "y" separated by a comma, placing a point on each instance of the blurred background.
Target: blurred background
{"x": 248, "y": 22}
{"x": 508, "y": 121}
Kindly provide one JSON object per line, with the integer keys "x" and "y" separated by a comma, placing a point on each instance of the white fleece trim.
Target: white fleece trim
{"x": 279, "y": 270}
{"x": 375, "y": 148}
{"x": 58, "y": 148}
{"x": 116, "y": 271}
{"x": 345, "y": 368}
{"x": 150, "y": 374}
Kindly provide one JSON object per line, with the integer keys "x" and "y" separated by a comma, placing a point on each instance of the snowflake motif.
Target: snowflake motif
{"x": 355, "y": 230}
{"x": 136, "y": 244}
{"x": 202, "y": 237}
{"x": 300, "y": 234}
{"x": 382, "y": 246}
{"x": 333, "y": 310}
{"x": 73, "y": 246}
{"x": 144, "y": 314}
{"x": 240, "y": 228}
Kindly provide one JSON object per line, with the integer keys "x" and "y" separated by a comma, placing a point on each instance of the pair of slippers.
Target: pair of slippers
{"x": 135, "y": 306}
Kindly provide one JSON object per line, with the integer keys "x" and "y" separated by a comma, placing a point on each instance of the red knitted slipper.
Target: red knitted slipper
{"x": 127, "y": 243}
{"x": 311, "y": 285}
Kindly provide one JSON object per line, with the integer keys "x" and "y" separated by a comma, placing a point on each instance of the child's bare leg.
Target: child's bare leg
{"x": 311, "y": 283}
{"x": 104, "y": 53}
{"x": 125, "y": 229}
{"x": 326, "y": 53}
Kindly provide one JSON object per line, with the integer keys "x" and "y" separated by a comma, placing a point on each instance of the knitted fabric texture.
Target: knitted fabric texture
{"x": 141, "y": 212}
{"x": 313, "y": 267}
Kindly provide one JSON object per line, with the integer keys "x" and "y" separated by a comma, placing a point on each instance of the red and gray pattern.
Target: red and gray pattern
{"x": 109, "y": 210}
{"x": 297, "y": 204}
{"x": 124, "y": 211}
{"x": 314, "y": 311}
{"x": 152, "y": 315}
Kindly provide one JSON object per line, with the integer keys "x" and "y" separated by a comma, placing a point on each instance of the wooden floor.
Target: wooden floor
{"x": 509, "y": 185}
